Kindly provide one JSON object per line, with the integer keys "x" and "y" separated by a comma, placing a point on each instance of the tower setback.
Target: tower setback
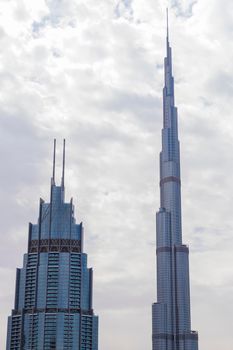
{"x": 53, "y": 296}
{"x": 171, "y": 319}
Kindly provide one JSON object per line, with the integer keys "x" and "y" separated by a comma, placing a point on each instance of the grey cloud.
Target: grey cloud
{"x": 184, "y": 8}
{"x": 124, "y": 8}
{"x": 221, "y": 84}
{"x": 77, "y": 71}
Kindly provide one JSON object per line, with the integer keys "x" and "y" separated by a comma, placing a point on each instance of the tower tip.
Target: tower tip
{"x": 167, "y": 24}
{"x": 63, "y": 163}
{"x": 54, "y": 160}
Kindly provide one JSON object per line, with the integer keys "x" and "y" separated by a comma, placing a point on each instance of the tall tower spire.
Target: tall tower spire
{"x": 171, "y": 326}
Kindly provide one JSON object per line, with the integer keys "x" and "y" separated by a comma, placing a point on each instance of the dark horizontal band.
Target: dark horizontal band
{"x": 163, "y": 249}
{"x": 190, "y": 336}
{"x": 170, "y": 179}
{"x": 51, "y": 311}
{"x": 185, "y": 336}
{"x": 54, "y": 245}
{"x": 182, "y": 249}
{"x": 163, "y": 336}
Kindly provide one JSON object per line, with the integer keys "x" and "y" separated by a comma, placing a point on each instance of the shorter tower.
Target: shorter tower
{"x": 53, "y": 296}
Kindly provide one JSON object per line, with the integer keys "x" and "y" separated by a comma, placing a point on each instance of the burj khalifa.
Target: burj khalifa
{"x": 171, "y": 319}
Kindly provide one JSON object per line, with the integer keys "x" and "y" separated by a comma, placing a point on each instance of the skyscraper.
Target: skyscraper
{"x": 171, "y": 320}
{"x": 53, "y": 296}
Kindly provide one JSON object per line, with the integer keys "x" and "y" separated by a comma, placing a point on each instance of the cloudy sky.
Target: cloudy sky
{"x": 91, "y": 71}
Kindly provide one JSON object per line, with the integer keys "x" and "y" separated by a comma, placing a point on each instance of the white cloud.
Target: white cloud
{"x": 91, "y": 72}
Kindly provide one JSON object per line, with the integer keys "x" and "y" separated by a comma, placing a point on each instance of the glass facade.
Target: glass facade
{"x": 53, "y": 296}
{"x": 171, "y": 319}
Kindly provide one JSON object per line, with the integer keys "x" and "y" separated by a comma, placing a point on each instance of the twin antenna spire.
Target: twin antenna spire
{"x": 63, "y": 162}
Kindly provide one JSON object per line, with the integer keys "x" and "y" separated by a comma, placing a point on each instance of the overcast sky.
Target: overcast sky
{"x": 92, "y": 71}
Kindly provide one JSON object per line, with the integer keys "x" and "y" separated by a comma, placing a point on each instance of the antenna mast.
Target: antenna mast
{"x": 54, "y": 159}
{"x": 63, "y": 163}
